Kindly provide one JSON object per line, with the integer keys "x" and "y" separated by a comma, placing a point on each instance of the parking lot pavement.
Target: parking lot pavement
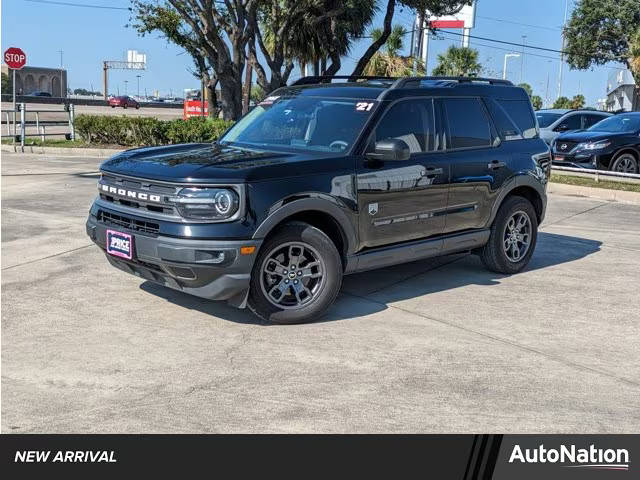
{"x": 432, "y": 346}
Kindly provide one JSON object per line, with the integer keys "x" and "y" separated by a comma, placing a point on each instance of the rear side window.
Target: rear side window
{"x": 521, "y": 115}
{"x": 468, "y": 123}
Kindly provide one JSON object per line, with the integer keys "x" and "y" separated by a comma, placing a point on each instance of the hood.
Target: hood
{"x": 210, "y": 163}
{"x": 585, "y": 136}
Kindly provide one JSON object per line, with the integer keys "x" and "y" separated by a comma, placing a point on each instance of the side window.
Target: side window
{"x": 411, "y": 121}
{"x": 468, "y": 123}
{"x": 521, "y": 114}
{"x": 592, "y": 120}
{"x": 572, "y": 122}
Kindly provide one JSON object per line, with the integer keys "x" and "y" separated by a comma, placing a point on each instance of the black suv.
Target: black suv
{"x": 323, "y": 179}
{"x": 610, "y": 144}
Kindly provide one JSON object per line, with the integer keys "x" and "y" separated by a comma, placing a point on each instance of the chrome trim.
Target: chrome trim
{"x": 239, "y": 188}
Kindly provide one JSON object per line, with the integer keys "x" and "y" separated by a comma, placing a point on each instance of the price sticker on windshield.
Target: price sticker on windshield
{"x": 364, "y": 106}
{"x": 269, "y": 100}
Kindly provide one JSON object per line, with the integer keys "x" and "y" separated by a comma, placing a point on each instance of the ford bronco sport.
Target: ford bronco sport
{"x": 324, "y": 179}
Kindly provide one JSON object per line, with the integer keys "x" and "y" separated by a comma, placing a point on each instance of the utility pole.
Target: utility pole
{"x": 125, "y": 86}
{"x": 564, "y": 45}
{"x": 524, "y": 38}
{"x": 138, "y": 77}
{"x": 546, "y": 95}
{"x": 418, "y": 47}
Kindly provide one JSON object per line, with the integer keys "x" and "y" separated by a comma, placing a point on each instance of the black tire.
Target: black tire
{"x": 124, "y": 106}
{"x": 325, "y": 289}
{"x": 625, "y": 162}
{"x": 493, "y": 254}
{"x": 113, "y": 106}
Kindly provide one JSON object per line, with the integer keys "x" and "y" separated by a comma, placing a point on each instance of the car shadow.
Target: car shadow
{"x": 358, "y": 294}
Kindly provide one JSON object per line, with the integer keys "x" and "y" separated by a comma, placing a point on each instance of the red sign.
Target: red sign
{"x": 15, "y": 58}
{"x": 447, "y": 24}
{"x": 193, "y": 108}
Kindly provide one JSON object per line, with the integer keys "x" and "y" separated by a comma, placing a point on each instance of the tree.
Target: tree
{"x": 228, "y": 34}
{"x": 577, "y": 102}
{"x": 389, "y": 63}
{"x": 562, "y": 102}
{"x": 527, "y": 88}
{"x": 7, "y": 83}
{"x": 601, "y": 31}
{"x": 536, "y": 101}
{"x": 435, "y": 7}
{"x": 458, "y": 62}
{"x": 634, "y": 54}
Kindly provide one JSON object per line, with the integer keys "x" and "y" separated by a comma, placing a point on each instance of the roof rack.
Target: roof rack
{"x": 328, "y": 78}
{"x": 403, "y": 82}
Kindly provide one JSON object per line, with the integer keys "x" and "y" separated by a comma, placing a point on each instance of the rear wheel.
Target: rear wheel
{"x": 513, "y": 237}
{"x": 625, "y": 163}
{"x": 124, "y": 106}
{"x": 296, "y": 276}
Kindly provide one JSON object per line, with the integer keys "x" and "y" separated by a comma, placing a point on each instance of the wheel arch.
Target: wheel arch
{"x": 324, "y": 214}
{"x": 523, "y": 186}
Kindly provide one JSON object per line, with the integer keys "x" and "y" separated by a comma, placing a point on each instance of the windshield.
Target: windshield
{"x": 545, "y": 118}
{"x": 302, "y": 123}
{"x": 618, "y": 124}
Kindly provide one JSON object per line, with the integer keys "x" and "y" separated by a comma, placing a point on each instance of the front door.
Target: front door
{"x": 404, "y": 200}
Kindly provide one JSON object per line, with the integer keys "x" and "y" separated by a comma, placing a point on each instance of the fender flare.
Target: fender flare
{"x": 318, "y": 203}
{"x": 521, "y": 180}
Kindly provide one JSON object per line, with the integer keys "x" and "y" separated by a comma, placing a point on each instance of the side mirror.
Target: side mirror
{"x": 391, "y": 149}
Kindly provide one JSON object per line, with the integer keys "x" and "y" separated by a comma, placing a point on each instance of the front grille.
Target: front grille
{"x": 127, "y": 223}
{"x": 125, "y": 191}
{"x": 565, "y": 146}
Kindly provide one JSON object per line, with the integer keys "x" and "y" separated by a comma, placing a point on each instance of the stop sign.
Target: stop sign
{"x": 15, "y": 58}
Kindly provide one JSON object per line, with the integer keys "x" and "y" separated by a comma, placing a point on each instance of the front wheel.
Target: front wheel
{"x": 513, "y": 237}
{"x": 297, "y": 275}
{"x": 625, "y": 163}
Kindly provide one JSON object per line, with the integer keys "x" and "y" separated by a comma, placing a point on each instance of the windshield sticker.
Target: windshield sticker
{"x": 269, "y": 100}
{"x": 364, "y": 106}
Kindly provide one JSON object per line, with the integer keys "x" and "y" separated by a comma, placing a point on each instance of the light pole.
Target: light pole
{"x": 564, "y": 45}
{"x": 60, "y": 52}
{"x": 125, "y": 86}
{"x": 504, "y": 68}
{"x": 524, "y": 38}
{"x": 138, "y": 77}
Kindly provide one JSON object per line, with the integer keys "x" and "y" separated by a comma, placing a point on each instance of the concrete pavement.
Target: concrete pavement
{"x": 433, "y": 346}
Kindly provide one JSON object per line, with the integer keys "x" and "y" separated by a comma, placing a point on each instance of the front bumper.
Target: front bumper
{"x": 211, "y": 269}
{"x": 583, "y": 159}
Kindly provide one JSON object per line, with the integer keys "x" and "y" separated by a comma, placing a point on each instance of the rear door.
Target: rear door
{"x": 404, "y": 200}
{"x": 479, "y": 163}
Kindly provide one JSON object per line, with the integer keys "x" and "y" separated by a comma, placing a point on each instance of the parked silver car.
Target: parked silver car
{"x": 553, "y": 122}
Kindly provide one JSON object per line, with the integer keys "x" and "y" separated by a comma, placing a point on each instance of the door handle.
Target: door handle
{"x": 495, "y": 164}
{"x": 432, "y": 172}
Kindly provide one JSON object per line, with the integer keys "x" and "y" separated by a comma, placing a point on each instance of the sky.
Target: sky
{"x": 87, "y": 36}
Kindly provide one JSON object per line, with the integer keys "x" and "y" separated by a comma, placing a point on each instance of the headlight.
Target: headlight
{"x": 595, "y": 145}
{"x": 206, "y": 203}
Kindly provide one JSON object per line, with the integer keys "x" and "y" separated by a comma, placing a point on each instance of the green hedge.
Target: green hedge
{"x": 137, "y": 131}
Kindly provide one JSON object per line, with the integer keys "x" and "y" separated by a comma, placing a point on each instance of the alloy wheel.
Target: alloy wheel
{"x": 517, "y": 236}
{"x": 292, "y": 275}
{"x": 626, "y": 164}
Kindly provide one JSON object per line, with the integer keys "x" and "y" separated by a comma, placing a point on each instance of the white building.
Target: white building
{"x": 621, "y": 91}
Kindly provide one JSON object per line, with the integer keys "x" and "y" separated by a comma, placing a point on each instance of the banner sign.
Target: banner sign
{"x": 193, "y": 108}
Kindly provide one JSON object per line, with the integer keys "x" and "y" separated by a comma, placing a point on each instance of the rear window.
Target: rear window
{"x": 468, "y": 123}
{"x": 522, "y": 116}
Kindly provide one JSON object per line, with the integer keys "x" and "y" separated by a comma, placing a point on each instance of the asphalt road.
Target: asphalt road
{"x": 432, "y": 346}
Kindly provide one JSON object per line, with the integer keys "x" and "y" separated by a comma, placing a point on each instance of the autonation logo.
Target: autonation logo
{"x": 572, "y": 457}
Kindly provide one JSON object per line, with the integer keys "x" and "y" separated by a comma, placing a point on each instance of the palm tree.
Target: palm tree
{"x": 388, "y": 63}
{"x": 313, "y": 41}
{"x": 458, "y": 62}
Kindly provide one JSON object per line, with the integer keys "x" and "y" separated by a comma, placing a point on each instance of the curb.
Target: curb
{"x": 594, "y": 192}
{"x": 65, "y": 151}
